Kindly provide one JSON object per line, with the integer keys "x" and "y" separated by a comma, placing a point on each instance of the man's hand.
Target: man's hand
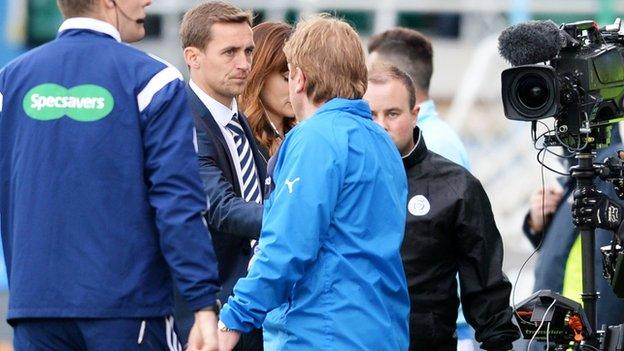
{"x": 549, "y": 197}
{"x": 593, "y": 208}
{"x": 203, "y": 336}
{"x": 228, "y": 339}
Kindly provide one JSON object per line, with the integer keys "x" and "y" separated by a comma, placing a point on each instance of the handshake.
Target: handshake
{"x": 209, "y": 335}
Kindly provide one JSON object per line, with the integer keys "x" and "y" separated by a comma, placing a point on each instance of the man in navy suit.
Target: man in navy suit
{"x": 218, "y": 49}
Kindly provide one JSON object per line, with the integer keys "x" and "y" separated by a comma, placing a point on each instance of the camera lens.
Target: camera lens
{"x": 532, "y": 92}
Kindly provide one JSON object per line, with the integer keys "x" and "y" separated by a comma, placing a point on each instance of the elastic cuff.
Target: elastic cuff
{"x": 202, "y": 302}
{"x": 228, "y": 316}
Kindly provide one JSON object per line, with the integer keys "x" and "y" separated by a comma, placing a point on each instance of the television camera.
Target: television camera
{"x": 573, "y": 73}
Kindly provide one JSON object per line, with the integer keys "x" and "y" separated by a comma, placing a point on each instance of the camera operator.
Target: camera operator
{"x": 559, "y": 261}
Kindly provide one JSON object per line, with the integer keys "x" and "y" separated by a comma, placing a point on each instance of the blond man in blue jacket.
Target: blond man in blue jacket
{"x": 328, "y": 271}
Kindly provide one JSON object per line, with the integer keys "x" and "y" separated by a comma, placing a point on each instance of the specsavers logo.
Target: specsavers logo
{"x": 83, "y": 103}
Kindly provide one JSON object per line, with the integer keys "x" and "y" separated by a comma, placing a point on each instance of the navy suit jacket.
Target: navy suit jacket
{"x": 232, "y": 221}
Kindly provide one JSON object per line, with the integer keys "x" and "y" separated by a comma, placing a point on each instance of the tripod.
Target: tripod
{"x": 584, "y": 173}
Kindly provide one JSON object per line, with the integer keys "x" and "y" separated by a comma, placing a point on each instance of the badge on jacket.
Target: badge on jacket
{"x": 418, "y": 205}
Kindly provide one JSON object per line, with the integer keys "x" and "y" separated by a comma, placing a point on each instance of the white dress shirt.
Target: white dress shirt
{"x": 223, "y": 115}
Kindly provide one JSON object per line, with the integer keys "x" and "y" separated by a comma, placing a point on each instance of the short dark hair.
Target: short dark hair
{"x": 407, "y": 49}
{"x": 195, "y": 30}
{"x": 75, "y": 8}
{"x": 382, "y": 73}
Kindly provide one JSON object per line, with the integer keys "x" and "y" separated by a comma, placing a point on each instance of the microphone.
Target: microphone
{"x": 532, "y": 42}
{"x": 137, "y": 20}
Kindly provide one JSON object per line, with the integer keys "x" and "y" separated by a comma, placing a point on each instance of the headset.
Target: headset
{"x": 137, "y": 20}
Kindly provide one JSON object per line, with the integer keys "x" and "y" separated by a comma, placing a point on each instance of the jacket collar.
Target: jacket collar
{"x": 91, "y": 24}
{"x": 221, "y": 113}
{"x": 201, "y": 112}
{"x": 418, "y": 153}
{"x": 357, "y": 107}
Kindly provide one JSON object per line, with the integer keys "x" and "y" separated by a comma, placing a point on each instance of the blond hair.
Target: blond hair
{"x": 330, "y": 54}
{"x": 195, "y": 30}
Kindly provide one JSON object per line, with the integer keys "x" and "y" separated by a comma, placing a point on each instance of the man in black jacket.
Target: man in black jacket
{"x": 218, "y": 49}
{"x": 450, "y": 228}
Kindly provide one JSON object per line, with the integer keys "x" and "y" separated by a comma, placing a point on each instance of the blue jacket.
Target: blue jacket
{"x": 100, "y": 194}
{"x": 329, "y": 258}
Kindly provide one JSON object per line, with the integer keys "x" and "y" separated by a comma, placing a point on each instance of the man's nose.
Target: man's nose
{"x": 243, "y": 62}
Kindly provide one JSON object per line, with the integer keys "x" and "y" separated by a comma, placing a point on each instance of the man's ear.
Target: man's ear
{"x": 108, "y": 4}
{"x": 300, "y": 80}
{"x": 414, "y": 114}
{"x": 191, "y": 57}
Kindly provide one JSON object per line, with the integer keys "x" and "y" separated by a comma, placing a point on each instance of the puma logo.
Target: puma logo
{"x": 290, "y": 184}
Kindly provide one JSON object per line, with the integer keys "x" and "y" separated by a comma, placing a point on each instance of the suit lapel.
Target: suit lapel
{"x": 207, "y": 122}
{"x": 204, "y": 121}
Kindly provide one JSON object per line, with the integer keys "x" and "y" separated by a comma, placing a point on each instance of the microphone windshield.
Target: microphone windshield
{"x": 530, "y": 42}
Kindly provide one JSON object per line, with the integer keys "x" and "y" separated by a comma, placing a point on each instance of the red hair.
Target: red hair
{"x": 269, "y": 57}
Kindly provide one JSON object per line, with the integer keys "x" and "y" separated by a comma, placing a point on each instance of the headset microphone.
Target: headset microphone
{"x": 137, "y": 20}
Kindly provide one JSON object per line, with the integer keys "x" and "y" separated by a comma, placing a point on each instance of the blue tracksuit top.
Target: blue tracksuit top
{"x": 100, "y": 195}
{"x": 329, "y": 265}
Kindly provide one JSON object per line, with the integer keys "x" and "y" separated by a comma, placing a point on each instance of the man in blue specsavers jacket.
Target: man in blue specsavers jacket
{"x": 100, "y": 196}
{"x": 328, "y": 271}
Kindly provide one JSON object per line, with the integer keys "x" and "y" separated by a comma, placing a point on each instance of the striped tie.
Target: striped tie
{"x": 251, "y": 185}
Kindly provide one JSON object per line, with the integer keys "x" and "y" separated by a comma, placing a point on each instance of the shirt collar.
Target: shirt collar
{"x": 427, "y": 109}
{"x": 90, "y": 24}
{"x": 221, "y": 113}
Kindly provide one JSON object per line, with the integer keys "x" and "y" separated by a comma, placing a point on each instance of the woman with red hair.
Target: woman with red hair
{"x": 265, "y": 99}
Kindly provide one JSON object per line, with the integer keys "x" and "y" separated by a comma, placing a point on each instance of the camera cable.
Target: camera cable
{"x": 540, "y": 326}
{"x": 539, "y": 245}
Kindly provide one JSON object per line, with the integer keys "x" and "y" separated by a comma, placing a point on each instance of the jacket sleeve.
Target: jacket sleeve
{"x": 537, "y": 238}
{"x": 227, "y": 212}
{"x": 534, "y": 238}
{"x": 175, "y": 193}
{"x": 484, "y": 288}
{"x": 2, "y": 74}
{"x": 297, "y": 216}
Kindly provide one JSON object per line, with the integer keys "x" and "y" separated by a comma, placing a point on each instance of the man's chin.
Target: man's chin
{"x": 134, "y": 37}
{"x": 236, "y": 91}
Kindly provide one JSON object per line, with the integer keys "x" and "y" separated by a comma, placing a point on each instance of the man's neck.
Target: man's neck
{"x": 308, "y": 109}
{"x": 103, "y": 15}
